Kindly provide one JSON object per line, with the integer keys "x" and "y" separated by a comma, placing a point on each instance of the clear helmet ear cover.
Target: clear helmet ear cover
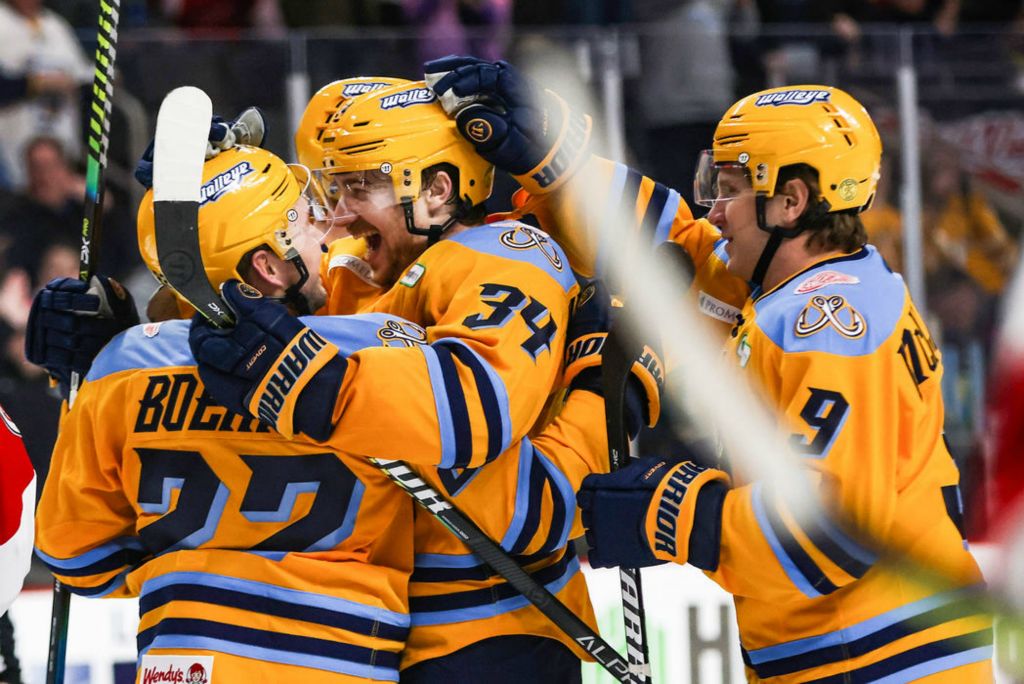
{"x": 711, "y": 185}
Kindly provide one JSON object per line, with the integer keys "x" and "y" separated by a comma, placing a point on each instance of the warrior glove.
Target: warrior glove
{"x": 654, "y": 510}
{"x": 530, "y": 132}
{"x": 269, "y": 365}
{"x": 70, "y": 322}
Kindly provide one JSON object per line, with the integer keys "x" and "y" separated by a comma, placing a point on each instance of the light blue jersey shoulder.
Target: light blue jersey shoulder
{"x": 847, "y": 306}
{"x": 518, "y": 241}
{"x": 163, "y": 345}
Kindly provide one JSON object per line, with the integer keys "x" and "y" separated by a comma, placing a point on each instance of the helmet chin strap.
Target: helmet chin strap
{"x": 434, "y": 232}
{"x": 292, "y": 296}
{"x": 775, "y": 237}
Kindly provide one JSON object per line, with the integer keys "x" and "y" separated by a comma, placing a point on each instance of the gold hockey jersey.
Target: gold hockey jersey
{"x": 845, "y": 356}
{"x": 494, "y": 302}
{"x": 591, "y": 232}
{"x": 283, "y": 560}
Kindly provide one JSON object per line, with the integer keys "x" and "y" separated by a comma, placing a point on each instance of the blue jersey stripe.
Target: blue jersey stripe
{"x": 515, "y": 526}
{"x": 667, "y": 218}
{"x": 652, "y": 213}
{"x": 536, "y": 484}
{"x": 493, "y": 397}
{"x": 822, "y": 537}
{"x": 279, "y": 593}
{"x": 848, "y": 648}
{"x": 934, "y": 657}
{"x": 861, "y": 629}
{"x": 109, "y": 556}
{"x": 912, "y": 674}
{"x": 502, "y": 599}
{"x": 102, "y": 590}
{"x": 461, "y": 427}
{"x": 271, "y": 646}
{"x": 266, "y": 605}
{"x": 441, "y": 405}
{"x": 564, "y": 497}
{"x": 801, "y": 559}
{"x": 795, "y": 576}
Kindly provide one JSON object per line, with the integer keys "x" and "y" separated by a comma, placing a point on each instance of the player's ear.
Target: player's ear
{"x": 792, "y": 199}
{"x": 265, "y": 271}
{"x": 439, "y": 191}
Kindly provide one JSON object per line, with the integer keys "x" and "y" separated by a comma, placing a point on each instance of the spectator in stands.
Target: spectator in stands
{"x": 883, "y": 221}
{"x": 963, "y": 231}
{"x": 681, "y": 97}
{"x": 44, "y": 66}
{"x": 223, "y": 14}
{"x": 459, "y": 27}
{"x": 50, "y": 211}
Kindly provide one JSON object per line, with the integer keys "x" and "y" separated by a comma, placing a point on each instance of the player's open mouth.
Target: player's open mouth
{"x": 373, "y": 241}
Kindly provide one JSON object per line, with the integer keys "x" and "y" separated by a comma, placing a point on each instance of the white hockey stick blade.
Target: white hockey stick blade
{"x": 182, "y": 128}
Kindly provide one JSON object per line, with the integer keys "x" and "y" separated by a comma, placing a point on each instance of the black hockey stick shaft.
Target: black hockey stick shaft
{"x": 495, "y": 556}
{"x": 99, "y": 132}
{"x": 617, "y": 357}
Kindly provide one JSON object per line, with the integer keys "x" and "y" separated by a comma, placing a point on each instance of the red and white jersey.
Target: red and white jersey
{"x": 17, "y": 505}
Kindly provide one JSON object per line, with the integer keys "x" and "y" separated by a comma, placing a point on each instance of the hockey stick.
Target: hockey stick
{"x": 99, "y": 130}
{"x": 617, "y": 357}
{"x": 181, "y": 133}
{"x": 503, "y": 564}
{"x": 620, "y": 351}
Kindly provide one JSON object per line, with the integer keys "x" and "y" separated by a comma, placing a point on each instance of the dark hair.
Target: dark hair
{"x": 464, "y": 210}
{"x": 828, "y": 231}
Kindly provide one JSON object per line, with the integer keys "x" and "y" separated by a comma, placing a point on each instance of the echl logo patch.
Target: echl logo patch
{"x": 822, "y": 312}
{"x": 151, "y": 329}
{"x": 820, "y": 280}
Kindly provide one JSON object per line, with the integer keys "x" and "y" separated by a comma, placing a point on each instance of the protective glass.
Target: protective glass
{"x": 711, "y": 185}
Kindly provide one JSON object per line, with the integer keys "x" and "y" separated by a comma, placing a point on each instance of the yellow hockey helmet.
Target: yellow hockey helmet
{"x": 820, "y": 126}
{"x": 247, "y": 195}
{"x": 323, "y": 105}
{"x": 400, "y": 131}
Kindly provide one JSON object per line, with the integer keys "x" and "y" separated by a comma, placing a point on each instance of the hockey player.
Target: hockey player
{"x": 17, "y": 503}
{"x": 254, "y": 557}
{"x": 834, "y": 340}
{"x": 836, "y": 344}
{"x": 494, "y": 300}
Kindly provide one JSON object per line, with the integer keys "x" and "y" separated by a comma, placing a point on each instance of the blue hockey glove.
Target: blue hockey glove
{"x": 248, "y": 128}
{"x": 654, "y": 510}
{"x": 592, "y": 318}
{"x": 269, "y": 365}
{"x": 70, "y": 321}
{"x": 530, "y": 132}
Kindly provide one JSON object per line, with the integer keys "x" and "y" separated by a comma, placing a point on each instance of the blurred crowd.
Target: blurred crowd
{"x": 682, "y": 61}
